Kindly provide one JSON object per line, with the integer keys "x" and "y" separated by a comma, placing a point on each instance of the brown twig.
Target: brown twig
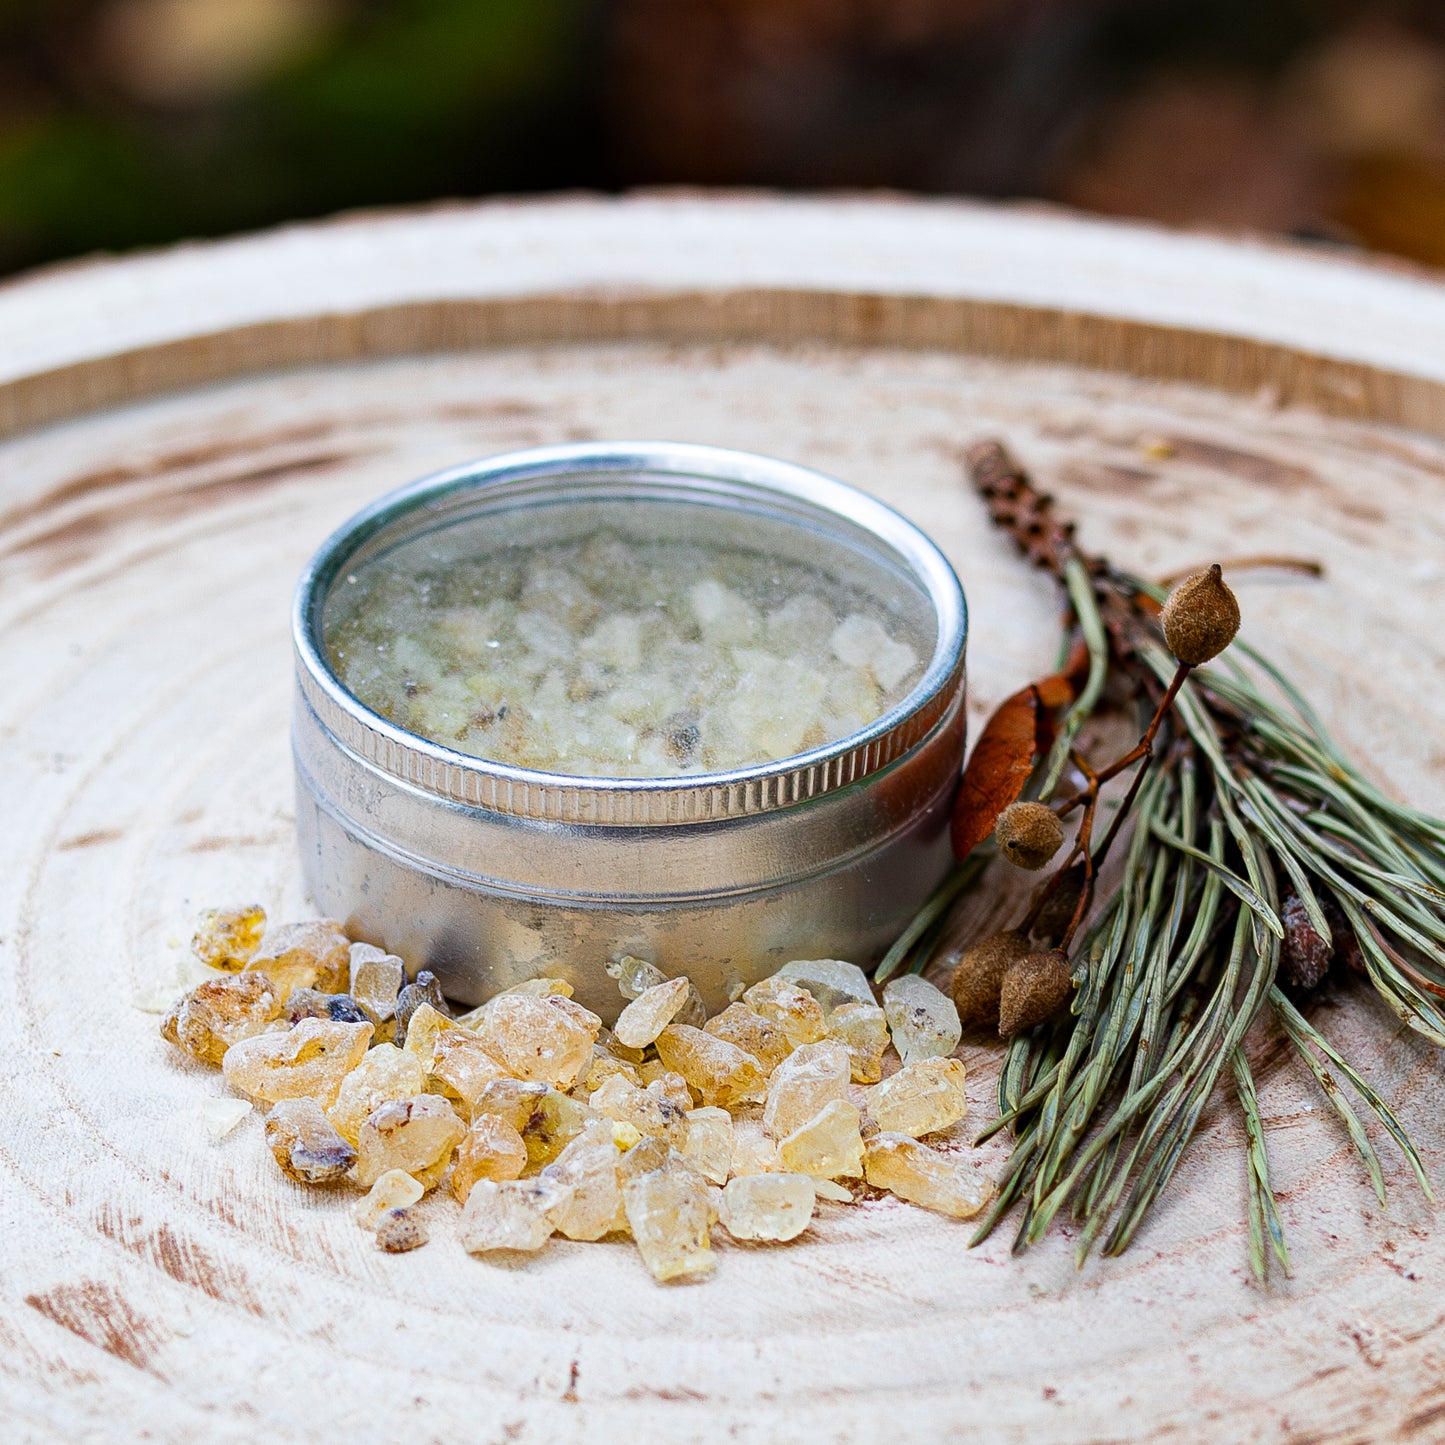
{"x": 1258, "y": 562}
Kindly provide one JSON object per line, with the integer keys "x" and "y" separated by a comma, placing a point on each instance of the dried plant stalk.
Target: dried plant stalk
{"x": 1252, "y": 843}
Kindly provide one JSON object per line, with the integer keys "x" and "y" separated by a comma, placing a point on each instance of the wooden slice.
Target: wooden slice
{"x": 181, "y": 430}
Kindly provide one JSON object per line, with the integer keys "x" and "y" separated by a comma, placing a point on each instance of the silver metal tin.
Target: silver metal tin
{"x": 489, "y": 874}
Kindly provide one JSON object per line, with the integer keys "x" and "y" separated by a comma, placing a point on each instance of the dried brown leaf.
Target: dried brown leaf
{"x": 1012, "y": 741}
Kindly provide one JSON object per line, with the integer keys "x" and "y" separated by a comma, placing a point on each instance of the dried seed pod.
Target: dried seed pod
{"x": 1200, "y": 617}
{"x": 1304, "y": 957}
{"x": 1035, "y": 988}
{"x": 1057, "y": 910}
{"x": 978, "y": 976}
{"x": 1028, "y": 834}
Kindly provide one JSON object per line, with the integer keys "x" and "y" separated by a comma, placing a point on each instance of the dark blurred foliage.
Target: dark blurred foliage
{"x": 130, "y": 122}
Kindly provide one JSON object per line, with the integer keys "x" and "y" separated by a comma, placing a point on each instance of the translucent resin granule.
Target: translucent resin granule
{"x": 767, "y": 1206}
{"x": 668, "y": 1211}
{"x": 923, "y": 1176}
{"x": 921, "y": 1098}
{"x": 492, "y": 1149}
{"x": 416, "y": 1135}
{"x": 808, "y": 1079}
{"x": 923, "y": 1019}
{"x": 829, "y": 1145}
{"x": 311, "y": 1060}
{"x": 305, "y": 1145}
{"x": 395, "y": 1189}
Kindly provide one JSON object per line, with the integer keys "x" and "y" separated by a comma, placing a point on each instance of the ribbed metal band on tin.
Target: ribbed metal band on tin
{"x": 619, "y": 802}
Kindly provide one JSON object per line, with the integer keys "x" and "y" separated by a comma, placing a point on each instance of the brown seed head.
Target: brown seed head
{"x": 1035, "y": 988}
{"x": 1028, "y": 834}
{"x": 1057, "y": 911}
{"x": 979, "y": 976}
{"x": 1200, "y": 617}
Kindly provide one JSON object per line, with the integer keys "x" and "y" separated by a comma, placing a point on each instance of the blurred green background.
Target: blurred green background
{"x": 132, "y": 122}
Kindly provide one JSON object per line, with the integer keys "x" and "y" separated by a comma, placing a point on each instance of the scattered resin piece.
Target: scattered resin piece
{"x": 384, "y": 1073}
{"x": 492, "y": 1149}
{"x": 424, "y": 992}
{"x": 310, "y": 1003}
{"x": 510, "y": 1214}
{"x": 668, "y": 1211}
{"x": 649, "y": 1112}
{"x": 461, "y": 1067}
{"x": 550, "y": 1123}
{"x": 830, "y": 980}
{"x": 587, "y": 1170}
{"x": 923, "y": 1176}
{"x": 862, "y": 1029}
{"x": 693, "y": 1012}
{"x": 753, "y": 1151}
{"x": 659, "y": 1079}
{"x": 651, "y": 1012}
{"x": 376, "y": 980}
{"x": 415, "y": 1135}
{"x": 313, "y": 954}
{"x": 309, "y": 1061}
{"x": 424, "y": 1026}
{"x": 225, "y": 938}
{"x": 614, "y": 1046}
{"x": 752, "y": 1033}
{"x": 829, "y": 1145}
{"x": 542, "y": 988}
{"x": 304, "y": 1143}
{"x": 554, "y": 1123}
{"x": 514, "y": 1100}
{"x": 924, "y": 1020}
{"x": 808, "y": 1079}
{"x": 707, "y": 1143}
{"x": 399, "y": 1231}
{"x": 920, "y": 1098}
{"x": 792, "y": 1008}
{"x": 220, "y": 1116}
{"x": 767, "y": 1206}
{"x": 634, "y": 975}
{"x": 722, "y": 1073}
{"x": 548, "y": 1040}
{"x": 396, "y": 1189}
{"x": 606, "y": 1066}
{"x": 221, "y": 1012}
{"x": 625, "y": 1135}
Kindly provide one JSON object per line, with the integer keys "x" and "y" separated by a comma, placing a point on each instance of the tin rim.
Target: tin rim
{"x": 698, "y": 471}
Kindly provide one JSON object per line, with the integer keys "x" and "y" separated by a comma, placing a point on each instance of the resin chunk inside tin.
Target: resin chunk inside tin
{"x": 621, "y": 652}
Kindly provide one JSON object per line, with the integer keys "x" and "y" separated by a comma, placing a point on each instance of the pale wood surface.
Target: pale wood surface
{"x": 155, "y": 1283}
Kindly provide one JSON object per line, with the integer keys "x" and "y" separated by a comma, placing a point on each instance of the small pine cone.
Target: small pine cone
{"x": 1028, "y": 834}
{"x": 1058, "y": 908}
{"x": 1200, "y": 617}
{"x": 1035, "y": 988}
{"x": 1304, "y": 957}
{"x": 978, "y": 976}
